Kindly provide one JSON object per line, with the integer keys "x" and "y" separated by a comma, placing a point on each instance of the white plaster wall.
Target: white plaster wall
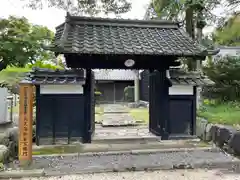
{"x": 3, "y": 106}
{"x": 61, "y": 89}
{"x": 181, "y": 90}
{"x": 198, "y": 97}
{"x": 229, "y": 51}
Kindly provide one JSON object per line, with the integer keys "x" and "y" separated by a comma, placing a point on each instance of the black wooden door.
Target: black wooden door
{"x": 60, "y": 116}
{"x": 158, "y": 104}
{"x": 69, "y": 118}
{"x": 44, "y": 117}
{"x": 181, "y": 115}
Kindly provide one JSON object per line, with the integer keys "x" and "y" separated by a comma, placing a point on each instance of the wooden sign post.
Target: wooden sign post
{"x": 25, "y": 123}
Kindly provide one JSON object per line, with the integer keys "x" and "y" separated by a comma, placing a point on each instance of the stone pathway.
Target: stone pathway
{"x": 117, "y": 119}
{"x": 62, "y": 165}
{"x": 122, "y": 132}
{"x": 114, "y": 108}
{"x": 118, "y": 123}
{"x": 116, "y": 115}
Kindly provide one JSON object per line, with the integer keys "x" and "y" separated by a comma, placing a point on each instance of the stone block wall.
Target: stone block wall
{"x": 8, "y": 145}
{"x": 224, "y": 136}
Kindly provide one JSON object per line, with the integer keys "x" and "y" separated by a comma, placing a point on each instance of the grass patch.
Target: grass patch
{"x": 99, "y": 110}
{"x": 98, "y": 114}
{"x": 98, "y": 118}
{"x": 141, "y": 114}
{"x": 64, "y": 149}
{"x": 199, "y": 144}
{"x": 228, "y": 113}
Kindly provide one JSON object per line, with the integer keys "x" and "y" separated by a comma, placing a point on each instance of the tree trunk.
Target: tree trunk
{"x": 200, "y": 25}
{"x": 190, "y": 30}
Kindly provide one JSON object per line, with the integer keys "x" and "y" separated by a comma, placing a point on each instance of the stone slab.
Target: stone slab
{"x": 114, "y": 108}
{"x": 200, "y": 127}
{"x": 208, "y": 133}
{"x": 234, "y": 142}
{"x": 120, "y": 119}
{"x": 122, "y": 132}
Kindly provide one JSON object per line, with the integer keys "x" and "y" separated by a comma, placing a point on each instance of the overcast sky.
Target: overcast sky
{"x": 52, "y": 17}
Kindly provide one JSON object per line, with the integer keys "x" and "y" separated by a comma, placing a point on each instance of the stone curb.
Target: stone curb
{"x": 17, "y": 174}
{"x": 137, "y": 152}
{"x": 218, "y": 165}
{"x": 134, "y": 140}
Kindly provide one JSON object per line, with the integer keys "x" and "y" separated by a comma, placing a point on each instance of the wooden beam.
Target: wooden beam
{"x": 25, "y": 123}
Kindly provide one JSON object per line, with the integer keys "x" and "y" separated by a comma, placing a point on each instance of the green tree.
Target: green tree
{"x": 11, "y": 76}
{"x": 229, "y": 33}
{"x": 176, "y": 9}
{"x": 77, "y": 7}
{"x": 41, "y": 64}
{"x": 193, "y": 13}
{"x": 22, "y": 42}
{"x": 224, "y": 71}
{"x": 233, "y": 3}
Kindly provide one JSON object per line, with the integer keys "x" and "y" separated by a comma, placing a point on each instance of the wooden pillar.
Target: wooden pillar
{"x": 136, "y": 86}
{"x": 25, "y": 123}
{"x": 87, "y": 108}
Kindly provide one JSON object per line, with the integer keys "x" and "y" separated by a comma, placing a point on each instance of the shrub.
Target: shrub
{"x": 224, "y": 71}
{"x": 129, "y": 94}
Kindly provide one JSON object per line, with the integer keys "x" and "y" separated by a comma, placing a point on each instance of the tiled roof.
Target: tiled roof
{"x": 47, "y": 76}
{"x": 116, "y": 75}
{"x": 117, "y": 36}
{"x": 180, "y": 77}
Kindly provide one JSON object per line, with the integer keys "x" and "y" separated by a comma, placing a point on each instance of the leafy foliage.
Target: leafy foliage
{"x": 224, "y": 71}
{"x": 192, "y": 13}
{"x": 90, "y": 7}
{"x": 233, "y": 3}
{"x": 175, "y": 9}
{"x": 21, "y": 42}
{"x": 40, "y": 64}
{"x": 11, "y": 76}
{"x": 229, "y": 33}
{"x": 129, "y": 94}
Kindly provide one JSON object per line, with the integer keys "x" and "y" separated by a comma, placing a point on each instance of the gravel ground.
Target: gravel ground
{"x": 156, "y": 175}
{"x": 59, "y": 165}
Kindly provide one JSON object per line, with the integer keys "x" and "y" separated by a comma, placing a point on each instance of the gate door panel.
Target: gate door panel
{"x": 158, "y": 103}
{"x": 181, "y": 116}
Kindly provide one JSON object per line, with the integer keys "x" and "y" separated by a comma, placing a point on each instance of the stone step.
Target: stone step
{"x": 114, "y": 148}
{"x": 99, "y": 127}
{"x": 120, "y": 119}
{"x": 181, "y": 137}
{"x": 127, "y": 139}
{"x": 129, "y": 161}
